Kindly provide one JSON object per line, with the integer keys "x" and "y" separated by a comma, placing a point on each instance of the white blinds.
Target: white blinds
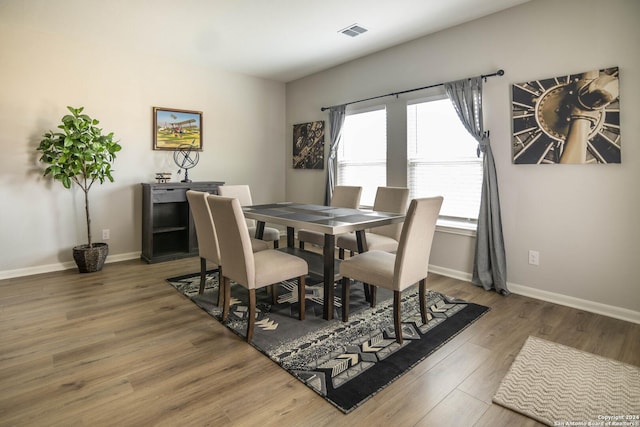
{"x": 362, "y": 154}
{"x": 459, "y": 182}
{"x": 442, "y": 160}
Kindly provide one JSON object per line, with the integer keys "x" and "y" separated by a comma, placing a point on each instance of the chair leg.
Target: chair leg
{"x": 226, "y": 289}
{"x": 302, "y": 298}
{"x": 367, "y": 292}
{"x": 423, "y": 302}
{"x": 276, "y": 244}
{"x": 340, "y": 253}
{"x": 251, "y": 320}
{"x": 397, "y": 324}
{"x": 220, "y": 287}
{"x": 203, "y": 274}
{"x": 345, "y": 298}
{"x": 301, "y": 244}
{"x": 373, "y": 292}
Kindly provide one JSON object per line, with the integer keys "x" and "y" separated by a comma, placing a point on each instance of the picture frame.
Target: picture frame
{"x": 174, "y": 128}
{"x": 308, "y": 145}
{"x": 569, "y": 119}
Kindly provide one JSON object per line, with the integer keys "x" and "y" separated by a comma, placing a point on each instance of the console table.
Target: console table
{"x": 168, "y": 231}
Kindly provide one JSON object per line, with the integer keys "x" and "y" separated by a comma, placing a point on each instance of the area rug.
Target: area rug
{"x": 562, "y": 386}
{"x": 344, "y": 362}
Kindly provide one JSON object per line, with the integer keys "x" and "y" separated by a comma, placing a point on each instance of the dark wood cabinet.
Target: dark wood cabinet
{"x": 168, "y": 231}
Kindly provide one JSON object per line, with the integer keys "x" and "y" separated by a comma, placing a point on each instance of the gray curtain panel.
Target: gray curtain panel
{"x": 490, "y": 263}
{"x": 336, "y": 120}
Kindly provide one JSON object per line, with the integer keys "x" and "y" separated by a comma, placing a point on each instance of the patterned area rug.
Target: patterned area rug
{"x": 562, "y": 386}
{"x": 346, "y": 363}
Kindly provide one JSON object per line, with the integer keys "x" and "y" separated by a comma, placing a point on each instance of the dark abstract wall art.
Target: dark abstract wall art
{"x": 308, "y": 145}
{"x": 572, "y": 119}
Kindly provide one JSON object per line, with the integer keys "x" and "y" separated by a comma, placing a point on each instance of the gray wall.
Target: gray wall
{"x": 582, "y": 219}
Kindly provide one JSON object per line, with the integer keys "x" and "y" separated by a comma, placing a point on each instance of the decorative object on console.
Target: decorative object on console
{"x": 81, "y": 154}
{"x": 186, "y": 159}
{"x": 569, "y": 119}
{"x": 163, "y": 177}
{"x": 308, "y": 145}
{"x": 173, "y": 128}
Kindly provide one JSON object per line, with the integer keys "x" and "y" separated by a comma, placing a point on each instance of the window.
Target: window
{"x": 442, "y": 159}
{"x": 362, "y": 153}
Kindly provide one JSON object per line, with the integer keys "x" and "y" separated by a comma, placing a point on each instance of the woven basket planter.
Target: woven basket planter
{"x": 90, "y": 259}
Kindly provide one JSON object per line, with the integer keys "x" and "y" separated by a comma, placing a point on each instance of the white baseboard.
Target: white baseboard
{"x": 460, "y": 275}
{"x": 48, "y": 268}
{"x": 580, "y": 304}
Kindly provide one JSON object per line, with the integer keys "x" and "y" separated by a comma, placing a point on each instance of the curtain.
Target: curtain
{"x": 336, "y": 120}
{"x": 490, "y": 263}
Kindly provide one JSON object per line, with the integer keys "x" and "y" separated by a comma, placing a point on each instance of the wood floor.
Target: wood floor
{"x": 122, "y": 347}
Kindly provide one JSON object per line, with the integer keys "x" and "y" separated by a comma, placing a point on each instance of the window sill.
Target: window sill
{"x": 451, "y": 226}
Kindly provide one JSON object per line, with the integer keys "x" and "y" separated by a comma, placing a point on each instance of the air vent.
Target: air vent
{"x": 353, "y": 30}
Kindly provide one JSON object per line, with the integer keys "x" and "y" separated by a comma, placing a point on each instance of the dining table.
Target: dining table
{"x": 331, "y": 221}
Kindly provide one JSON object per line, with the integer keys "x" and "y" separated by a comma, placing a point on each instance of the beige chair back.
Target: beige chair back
{"x": 345, "y": 196}
{"x": 394, "y": 200}
{"x": 205, "y": 230}
{"x": 414, "y": 248}
{"x": 233, "y": 239}
{"x": 240, "y": 192}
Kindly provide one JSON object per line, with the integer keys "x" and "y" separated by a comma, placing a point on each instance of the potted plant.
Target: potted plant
{"x": 81, "y": 153}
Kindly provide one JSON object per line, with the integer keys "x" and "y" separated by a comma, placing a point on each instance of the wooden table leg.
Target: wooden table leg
{"x": 290, "y": 237}
{"x": 329, "y": 275}
{"x": 361, "y": 239}
{"x": 259, "y": 229}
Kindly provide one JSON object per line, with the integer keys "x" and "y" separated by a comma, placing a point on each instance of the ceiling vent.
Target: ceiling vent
{"x": 353, "y": 30}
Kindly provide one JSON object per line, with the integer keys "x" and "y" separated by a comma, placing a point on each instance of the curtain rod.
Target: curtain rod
{"x": 484, "y": 76}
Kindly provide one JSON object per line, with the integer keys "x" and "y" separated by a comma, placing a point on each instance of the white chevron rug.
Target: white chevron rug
{"x": 562, "y": 386}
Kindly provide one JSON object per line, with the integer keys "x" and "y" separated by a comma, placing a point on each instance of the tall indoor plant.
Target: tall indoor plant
{"x": 81, "y": 153}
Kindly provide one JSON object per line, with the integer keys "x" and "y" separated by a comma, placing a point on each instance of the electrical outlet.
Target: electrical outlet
{"x": 105, "y": 234}
{"x": 534, "y": 257}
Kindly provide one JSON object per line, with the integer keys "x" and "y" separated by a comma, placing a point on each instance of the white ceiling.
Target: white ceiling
{"x": 281, "y": 40}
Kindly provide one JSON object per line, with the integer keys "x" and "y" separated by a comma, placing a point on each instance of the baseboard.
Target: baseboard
{"x": 456, "y": 274}
{"x": 581, "y": 304}
{"x": 578, "y": 303}
{"x": 48, "y": 268}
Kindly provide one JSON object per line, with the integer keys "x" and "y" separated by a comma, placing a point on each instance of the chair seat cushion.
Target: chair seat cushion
{"x": 270, "y": 234}
{"x": 259, "y": 245}
{"x": 273, "y": 266}
{"x": 375, "y": 242}
{"x": 372, "y": 267}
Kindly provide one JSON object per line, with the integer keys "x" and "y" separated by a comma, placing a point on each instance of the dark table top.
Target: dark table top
{"x": 323, "y": 219}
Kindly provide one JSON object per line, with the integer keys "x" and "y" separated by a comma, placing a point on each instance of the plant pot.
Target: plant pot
{"x": 90, "y": 259}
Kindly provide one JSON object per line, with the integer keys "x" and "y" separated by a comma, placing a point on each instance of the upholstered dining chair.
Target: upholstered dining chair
{"x": 344, "y": 196}
{"x": 243, "y": 194}
{"x": 249, "y": 269}
{"x": 385, "y": 238}
{"x": 208, "y": 248}
{"x": 397, "y": 272}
